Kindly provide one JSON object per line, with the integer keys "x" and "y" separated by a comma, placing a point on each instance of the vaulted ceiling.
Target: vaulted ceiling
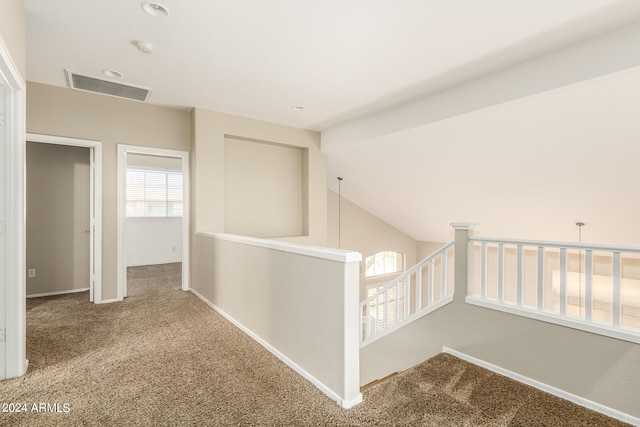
{"x": 519, "y": 115}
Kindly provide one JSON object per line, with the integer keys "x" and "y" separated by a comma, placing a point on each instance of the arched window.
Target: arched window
{"x": 385, "y": 262}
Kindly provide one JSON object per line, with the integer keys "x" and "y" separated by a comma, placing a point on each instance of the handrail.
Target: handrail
{"x": 554, "y": 244}
{"x": 409, "y": 272}
{"x": 296, "y": 248}
{"x": 589, "y": 293}
{"x": 400, "y": 301}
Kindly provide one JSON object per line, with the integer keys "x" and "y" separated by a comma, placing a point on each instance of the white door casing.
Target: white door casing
{"x": 13, "y": 360}
{"x": 95, "y": 206}
{"x": 3, "y": 226}
{"x": 123, "y": 150}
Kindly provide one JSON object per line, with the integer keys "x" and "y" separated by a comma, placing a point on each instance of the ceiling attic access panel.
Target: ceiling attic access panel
{"x": 265, "y": 191}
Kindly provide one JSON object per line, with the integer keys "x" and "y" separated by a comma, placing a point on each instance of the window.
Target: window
{"x": 394, "y": 301}
{"x": 386, "y": 262}
{"x": 153, "y": 193}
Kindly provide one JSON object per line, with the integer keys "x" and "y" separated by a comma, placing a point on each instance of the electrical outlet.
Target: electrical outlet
{"x": 31, "y": 273}
{"x": 2, "y": 335}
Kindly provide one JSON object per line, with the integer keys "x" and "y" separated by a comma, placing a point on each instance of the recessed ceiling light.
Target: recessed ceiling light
{"x": 112, "y": 73}
{"x": 297, "y": 108}
{"x": 144, "y": 47}
{"x": 155, "y": 9}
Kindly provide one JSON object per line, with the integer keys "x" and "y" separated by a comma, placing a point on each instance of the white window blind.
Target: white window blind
{"x": 396, "y": 301}
{"x": 153, "y": 193}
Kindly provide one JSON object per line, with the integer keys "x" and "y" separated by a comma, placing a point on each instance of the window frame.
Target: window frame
{"x": 400, "y": 264}
{"x": 167, "y": 200}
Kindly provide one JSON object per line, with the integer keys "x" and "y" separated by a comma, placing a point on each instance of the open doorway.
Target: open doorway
{"x": 153, "y": 213}
{"x": 64, "y": 216}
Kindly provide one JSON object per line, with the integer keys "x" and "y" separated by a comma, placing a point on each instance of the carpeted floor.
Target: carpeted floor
{"x": 163, "y": 358}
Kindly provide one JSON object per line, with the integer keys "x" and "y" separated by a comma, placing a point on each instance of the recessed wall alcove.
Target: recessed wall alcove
{"x": 265, "y": 188}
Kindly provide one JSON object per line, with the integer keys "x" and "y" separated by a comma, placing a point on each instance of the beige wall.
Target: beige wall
{"x": 263, "y": 191}
{"x": 601, "y": 369}
{"x": 13, "y": 30}
{"x": 74, "y": 114}
{"x": 210, "y": 129}
{"x": 154, "y": 162}
{"x": 293, "y": 302}
{"x": 424, "y": 249}
{"x": 57, "y": 217}
{"x": 363, "y": 232}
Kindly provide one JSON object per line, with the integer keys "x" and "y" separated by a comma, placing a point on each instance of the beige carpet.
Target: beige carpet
{"x": 163, "y": 358}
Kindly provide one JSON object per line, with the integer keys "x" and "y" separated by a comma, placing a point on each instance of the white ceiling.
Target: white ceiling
{"x": 528, "y": 168}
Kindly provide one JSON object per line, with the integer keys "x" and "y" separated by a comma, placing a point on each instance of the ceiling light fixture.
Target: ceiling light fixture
{"x": 297, "y": 108}
{"x": 112, "y": 73}
{"x": 155, "y": 9}
{"x": 144, "y": 47}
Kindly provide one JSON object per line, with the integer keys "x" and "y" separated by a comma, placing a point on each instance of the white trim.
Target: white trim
{"x": 96, "y": 147}
{"x": 594, "y": 328}
{"x": 296, "y": 248}
{"x": 14, "y": 358}
{"x": 351, "y": 328}
{"x": 50, "y": 294}
{"x": 429, "y": 309}
{"x": 344, "y": 403}
{"x": 123, "y": 150}
{"x": 109, "y": 301}
{"x": 613, "y": 413}
{"x": 559, "y": 245}
{"x": 464, "y": 225}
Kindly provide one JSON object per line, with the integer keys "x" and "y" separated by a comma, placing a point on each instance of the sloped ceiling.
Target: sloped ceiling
{"x": 526, "y": 169}
{"x": 529, "y": 165}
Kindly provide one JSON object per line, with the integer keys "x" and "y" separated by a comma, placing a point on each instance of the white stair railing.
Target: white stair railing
{"x": 420, "y": 290}
{"x": 591, "y": 287}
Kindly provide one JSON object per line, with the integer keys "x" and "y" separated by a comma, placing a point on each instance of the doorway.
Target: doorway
{"x": 88, "y": 235}
{"x": 127, "y": 154}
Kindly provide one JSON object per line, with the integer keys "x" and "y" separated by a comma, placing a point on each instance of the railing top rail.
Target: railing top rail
{"x": 408, "y": 273}
{"x": 340, "y": 255}
{"x": 567, "y": 245}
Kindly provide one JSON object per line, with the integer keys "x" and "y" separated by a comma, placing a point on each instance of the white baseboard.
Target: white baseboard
{"x": 547, "y": 388}
{"x": 109, "y": 301}
{"x": 50, "y": 294}
{"x": 347, "y": 404}
{"x": 155, "y": 262}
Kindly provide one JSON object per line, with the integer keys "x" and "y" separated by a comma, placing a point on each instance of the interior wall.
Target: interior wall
{"x": 363, "y": 232}
{"x": 71, "y": 113}
{"x": 265, "y": 178}
{"x": 57, "y": 216}
{"x": 154, "y": 162}
{"x": 424, "y": 249}
{"x": 292, "y": 302}
{"x": 12, "y": 32}
{"x": 208, "y": 158}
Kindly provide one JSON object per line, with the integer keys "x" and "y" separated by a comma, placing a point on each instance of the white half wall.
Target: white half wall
{"x": 298, "y": 301}
{"x": 153, "y": 241}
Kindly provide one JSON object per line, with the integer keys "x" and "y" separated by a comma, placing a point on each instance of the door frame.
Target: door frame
{"x": 13, "y": 359}
{"x": 123, "y": 151}
{"x": 95, "y": 203}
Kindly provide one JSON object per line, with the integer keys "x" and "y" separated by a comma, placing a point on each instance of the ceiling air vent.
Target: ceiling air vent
{"x": 106, "y": 87}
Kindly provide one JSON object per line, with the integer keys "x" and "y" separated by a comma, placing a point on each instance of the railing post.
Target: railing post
{"x": 463, "y": 258}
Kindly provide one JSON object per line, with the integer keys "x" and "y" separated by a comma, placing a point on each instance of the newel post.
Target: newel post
{"x": 463, "y": 257}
